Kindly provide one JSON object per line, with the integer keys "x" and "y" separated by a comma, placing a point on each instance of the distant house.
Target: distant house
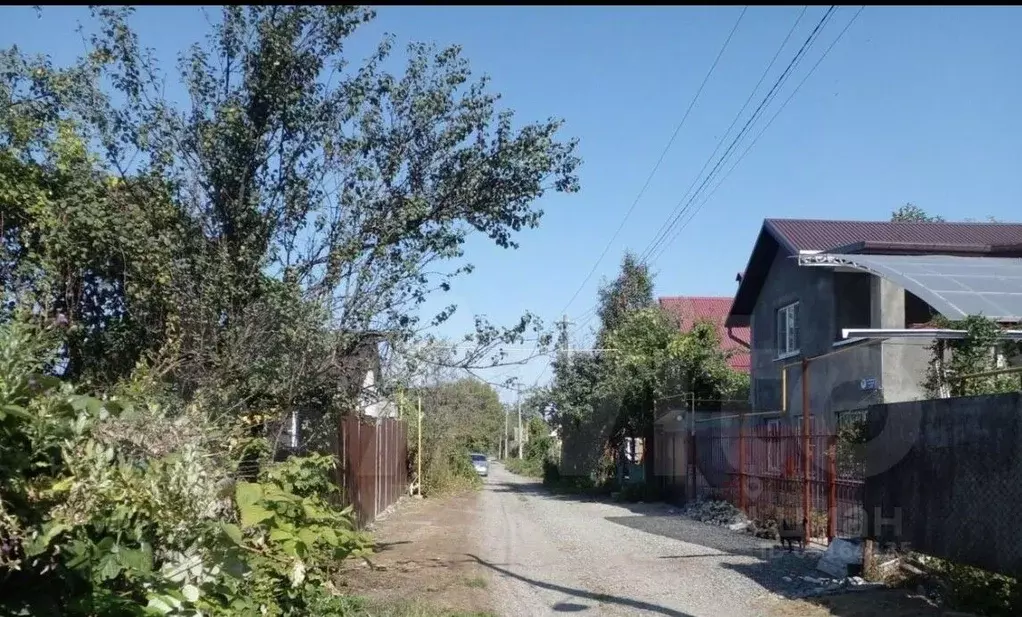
{"x": 807, "y": 280}
{"x": 357, "y": 374}
{"x": 715, "y": 309}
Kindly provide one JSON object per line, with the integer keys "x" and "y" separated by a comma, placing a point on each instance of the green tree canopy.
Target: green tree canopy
{"x": 911, "y": 213}
{"x": 295, "y": 189}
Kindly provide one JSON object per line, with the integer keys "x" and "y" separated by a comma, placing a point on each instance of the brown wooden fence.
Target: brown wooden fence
{"x": 373, "y": 464}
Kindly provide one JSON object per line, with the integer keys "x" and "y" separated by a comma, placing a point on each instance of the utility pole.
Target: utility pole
{"x": 418, "y": 451}
{"x": 565, "y": 342}
{"x": 521, "y": 435}
{"x": 506, "y": 442}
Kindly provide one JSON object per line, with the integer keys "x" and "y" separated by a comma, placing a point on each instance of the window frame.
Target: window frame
{"x": 790, "y": 325}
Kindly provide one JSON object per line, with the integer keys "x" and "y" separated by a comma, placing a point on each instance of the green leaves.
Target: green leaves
{"x": 249, "y": 498}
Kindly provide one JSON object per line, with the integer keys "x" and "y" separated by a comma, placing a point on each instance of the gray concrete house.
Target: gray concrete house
{"x": 807, "y": 280}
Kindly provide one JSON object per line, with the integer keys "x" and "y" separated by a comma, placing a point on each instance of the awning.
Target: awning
{"x": 954, "y": 286}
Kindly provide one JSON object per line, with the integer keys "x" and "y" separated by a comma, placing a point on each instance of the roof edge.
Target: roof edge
{"x": 867, "y": 246}
{"x": 755, "y": 274}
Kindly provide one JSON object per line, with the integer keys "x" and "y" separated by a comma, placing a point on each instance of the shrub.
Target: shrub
{"x": 126, "y": 507}
{"x": 980, "y": 591}
{"x": 447, "y": 469}
{"x": 528, "y": 467}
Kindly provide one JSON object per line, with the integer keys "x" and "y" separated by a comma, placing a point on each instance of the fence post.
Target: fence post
{"x": 807, "y": 503}
{"x": 692, "y": 473}
{"x": 831, "y": 487}
{"x": 741, "y": 461}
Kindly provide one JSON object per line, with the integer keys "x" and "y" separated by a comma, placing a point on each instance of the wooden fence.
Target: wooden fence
{"x": 373, "y": 464}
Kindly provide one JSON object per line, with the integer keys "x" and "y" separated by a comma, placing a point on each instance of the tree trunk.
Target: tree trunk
{"x": 648, "y": 459}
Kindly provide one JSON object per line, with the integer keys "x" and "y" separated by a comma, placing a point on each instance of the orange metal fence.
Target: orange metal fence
{"x": 760, "y": 469}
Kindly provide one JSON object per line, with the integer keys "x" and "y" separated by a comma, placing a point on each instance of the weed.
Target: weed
{"x": 476, "y": 582}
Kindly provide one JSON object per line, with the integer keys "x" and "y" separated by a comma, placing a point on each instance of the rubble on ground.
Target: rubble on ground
{"x": 826, "y": 585}
{"x": 841, "y": 555}
{"x": 719, "y": 513}
{"x": 764, "y": 529}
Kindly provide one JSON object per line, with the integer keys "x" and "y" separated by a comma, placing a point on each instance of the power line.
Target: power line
{"x": 771, "y": 121}
{"x": 660, "y": 160}
{"x": 665, "y": 230}
{"x": 745, "y": 106}
{"x": 680, "y": 210}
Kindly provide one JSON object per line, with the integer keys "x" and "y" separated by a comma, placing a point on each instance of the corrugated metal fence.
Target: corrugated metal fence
{"x": 373, "y": 464}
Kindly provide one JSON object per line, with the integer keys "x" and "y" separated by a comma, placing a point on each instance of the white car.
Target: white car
{"x": 481, "y": 464}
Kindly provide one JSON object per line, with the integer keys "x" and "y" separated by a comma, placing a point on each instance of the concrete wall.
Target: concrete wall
{"x": 943, "y": 477}
{"x": 835, "y": 381}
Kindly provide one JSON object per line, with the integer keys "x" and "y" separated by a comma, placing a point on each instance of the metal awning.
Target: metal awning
{"x": 954, "y": 286}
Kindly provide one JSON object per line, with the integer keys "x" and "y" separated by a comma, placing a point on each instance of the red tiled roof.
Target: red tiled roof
{"x": 689, "y": 309}
{"x": 822, "y": 235}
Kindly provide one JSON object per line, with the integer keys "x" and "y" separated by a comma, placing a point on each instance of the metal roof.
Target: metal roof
{"x": 822, "y": 235}
{"x": 689, "y": 309}
{"x": 955, "y": 286}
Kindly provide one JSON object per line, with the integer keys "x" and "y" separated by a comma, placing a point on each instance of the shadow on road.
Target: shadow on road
{"x": 379, "y": 547}
{"x": 581, "y": 593}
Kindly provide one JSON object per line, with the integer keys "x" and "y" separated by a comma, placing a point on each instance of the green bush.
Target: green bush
{"x": 979, "y": 591}
{"x": 528, "y": 467}
{"x": 123, "y": 507}
{"x": 447, "y": 469}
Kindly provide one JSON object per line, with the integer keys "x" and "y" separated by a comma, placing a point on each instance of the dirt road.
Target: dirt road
{"x": 517, "y": 551}
{"x": 551, "y": 555}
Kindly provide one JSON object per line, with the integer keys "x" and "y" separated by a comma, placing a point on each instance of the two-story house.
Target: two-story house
{"x": 808, "y": 280}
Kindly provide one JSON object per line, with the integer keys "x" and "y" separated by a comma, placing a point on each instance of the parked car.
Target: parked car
{"x": 481, "y": 464}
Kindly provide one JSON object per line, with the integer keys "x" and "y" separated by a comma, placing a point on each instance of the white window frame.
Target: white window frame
{"x": 789, "y": 332}
{"x": 773, "y": 445}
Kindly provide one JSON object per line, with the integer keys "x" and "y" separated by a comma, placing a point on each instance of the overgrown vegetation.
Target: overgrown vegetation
{"x": 182, "y": 275}
{"x": 538, "y": 454}
{"x": 458, "y": 417}
{"x": 955, "y": 361}
{"x": 648, "y": 362}
{"x": 130, "y": 504}
{"x": 979, "y": 591}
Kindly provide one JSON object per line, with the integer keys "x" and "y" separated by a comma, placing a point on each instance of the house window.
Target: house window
{"x": 773, "y": 445}
{"x": 787, "y": 330}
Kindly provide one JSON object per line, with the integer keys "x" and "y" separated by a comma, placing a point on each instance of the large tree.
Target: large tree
{"x": 650, "y": 359}
{"x": 292, "y": 180}
{"x": 631, "y": 290}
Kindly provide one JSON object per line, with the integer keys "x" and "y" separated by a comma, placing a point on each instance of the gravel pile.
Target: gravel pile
{"x": 719, "y": 513}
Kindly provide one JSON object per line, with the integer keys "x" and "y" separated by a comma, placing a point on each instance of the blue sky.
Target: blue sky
{"x": 912, "y": 104}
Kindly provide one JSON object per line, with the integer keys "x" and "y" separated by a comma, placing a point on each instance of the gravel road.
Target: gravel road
{"x": 550, "y": 555}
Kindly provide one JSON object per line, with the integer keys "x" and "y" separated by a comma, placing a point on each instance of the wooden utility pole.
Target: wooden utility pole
{"x": 418, "y": 451}
{"x": 521, "y": 435}
{"x": 506, "y": 441}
